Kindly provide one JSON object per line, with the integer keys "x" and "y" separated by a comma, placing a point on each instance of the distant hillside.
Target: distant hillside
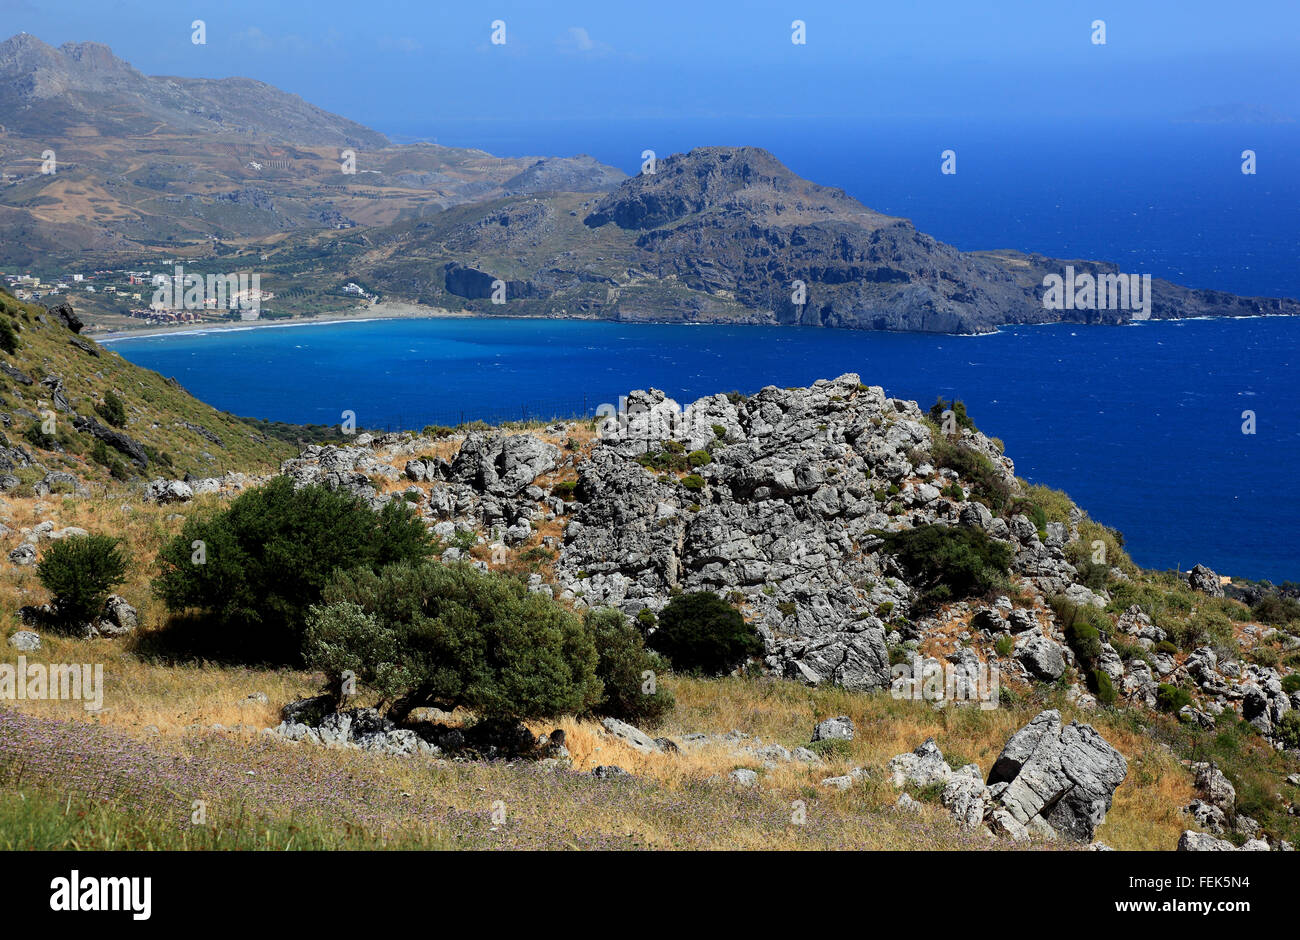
{"x": 44, "y": 90}
{"x": 725, "y": 234}
{"x": 202, "y": 168}
{"x": 233, "y": 174}
{"x": 161, "y": 429}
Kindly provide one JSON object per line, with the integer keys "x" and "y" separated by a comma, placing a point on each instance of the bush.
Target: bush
{"x": 112, "y": 410}
{"x": 700, "y": 633}
{"x": 958, "y": 409}
{"x": 1287, "y": 729}
{"x": 622, "y": 662}
{"x": 1172, "y": 698}
{"x": 693, "y": 482}
{"x": 1265, "y": 656}
{"x": 80, "y": 571}
{"x": 36, "y": 436}
{"x": 270, "y": 554}
{"x": 1104, "y": 688}
{"x": 987, "y": 484}
{"x": 1291, "y": 683}
{"x": 949, "y": 561}
{"x": 698, "y": 458}
{"x": 831, "y": 748}
{"x": 8, "y": 336}
{"x": 453, "y": 636}
{"x": 1205, "y": 628}
{"x": 1004, "y": 646}
{"x": 1272, "y": 608}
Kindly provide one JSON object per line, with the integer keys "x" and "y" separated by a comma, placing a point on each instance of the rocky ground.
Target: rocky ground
{"x": 780, "y": 503}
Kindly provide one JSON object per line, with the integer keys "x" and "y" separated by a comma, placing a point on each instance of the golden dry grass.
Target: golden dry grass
{"x": 164, "y": 704}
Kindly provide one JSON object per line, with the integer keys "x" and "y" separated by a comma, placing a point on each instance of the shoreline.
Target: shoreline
{"x": 385, "y": 310}
{"x": 404, "y": 310}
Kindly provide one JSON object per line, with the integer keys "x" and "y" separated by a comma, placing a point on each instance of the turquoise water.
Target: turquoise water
{"x": 1141, "y": 424}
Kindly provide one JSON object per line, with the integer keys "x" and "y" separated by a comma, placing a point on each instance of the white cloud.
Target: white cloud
{"x": 577, "y": 41}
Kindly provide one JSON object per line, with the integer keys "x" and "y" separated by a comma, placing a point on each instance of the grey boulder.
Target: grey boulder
{"x": 1061, "y": 778}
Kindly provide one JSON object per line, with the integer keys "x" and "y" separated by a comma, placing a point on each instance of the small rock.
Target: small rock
{"x": 25, "y": 641}
{"x": 840, "y": 728}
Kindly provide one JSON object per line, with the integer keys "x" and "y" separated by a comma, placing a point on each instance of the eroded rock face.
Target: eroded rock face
{"x": 1204, "y": 580}
{"x": 1057, "y": 777}
{"x": 502, "y": 465}
{"x": 779, "y": 517}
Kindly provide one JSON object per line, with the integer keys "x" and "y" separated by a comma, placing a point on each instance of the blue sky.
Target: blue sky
{"x": 399, "y": 65}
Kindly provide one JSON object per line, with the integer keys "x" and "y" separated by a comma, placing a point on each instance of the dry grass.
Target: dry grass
{"x": 683, "y": 799}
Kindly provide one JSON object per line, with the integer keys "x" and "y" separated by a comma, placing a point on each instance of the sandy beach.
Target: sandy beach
{"x": 386, "y": 310}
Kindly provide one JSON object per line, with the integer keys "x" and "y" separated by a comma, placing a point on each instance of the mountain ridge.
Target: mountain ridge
{"x": 206, "y": 169}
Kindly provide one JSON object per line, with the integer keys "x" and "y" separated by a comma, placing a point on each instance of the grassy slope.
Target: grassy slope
{"x": 160, "y": 709}
{"x": 156, "y": 408}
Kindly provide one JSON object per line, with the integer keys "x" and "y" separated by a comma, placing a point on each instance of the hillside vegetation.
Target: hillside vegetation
{"x": 90, "y": 413}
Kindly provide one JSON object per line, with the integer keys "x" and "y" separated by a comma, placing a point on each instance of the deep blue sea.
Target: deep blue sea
{"x": 1141, "y": 424}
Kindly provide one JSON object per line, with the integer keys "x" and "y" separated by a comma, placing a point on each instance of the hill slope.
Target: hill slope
{"x": 55, "y": 375}
{"x": 726, "y": 234}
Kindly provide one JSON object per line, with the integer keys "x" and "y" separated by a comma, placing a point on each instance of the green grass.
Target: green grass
{"x": 37, "y": 819}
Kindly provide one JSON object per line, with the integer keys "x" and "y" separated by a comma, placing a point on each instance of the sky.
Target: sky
{"x": 405, "y": 67}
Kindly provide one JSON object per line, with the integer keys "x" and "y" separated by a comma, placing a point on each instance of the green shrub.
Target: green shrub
{"x": 267, "y": 557}
{"x": 37, "y": 437}
{"x": 452, "y": 636}
{"x": 564, "y": 490}
{"x": 1104, "y": 688}
{"x": 958, "y": 409}
{"x": 1273, "y": 608}
{"x": 831, "y": 748}
{"x": 1004, "y": 646}
{"x": 1085, "y": 640}
{"x": 80, "y": 571}
{"x": 622, "y": 666}
{"x": 1054, "y": 504}
{"x": 112, "y": 410}
{"x": 1265, "y": 656}
{"x": 8, "y": 336}
{"x": 1172, "y": 698}
{"x": 987, "y": 484}
{"x": 949, "y": 561}
{"x": 1291, "y": 683}
{"x": 1287, "y": 729}
{"x": 699, "y": 458}
{"x": 719, "y": 432}
{"x": 700, "y": 632}
{"x": 693, "y": 482}
{"x": 1204, "y": 628}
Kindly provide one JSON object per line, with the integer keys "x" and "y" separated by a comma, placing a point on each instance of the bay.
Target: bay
{"x": 1140, "y": 424}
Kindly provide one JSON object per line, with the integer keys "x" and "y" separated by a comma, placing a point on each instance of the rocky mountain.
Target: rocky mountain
{"x": 209, "y": 170}
{"x": 206, "y": 169}
{"x": 82, "y": 85}
{"x": 731, "y": 234}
